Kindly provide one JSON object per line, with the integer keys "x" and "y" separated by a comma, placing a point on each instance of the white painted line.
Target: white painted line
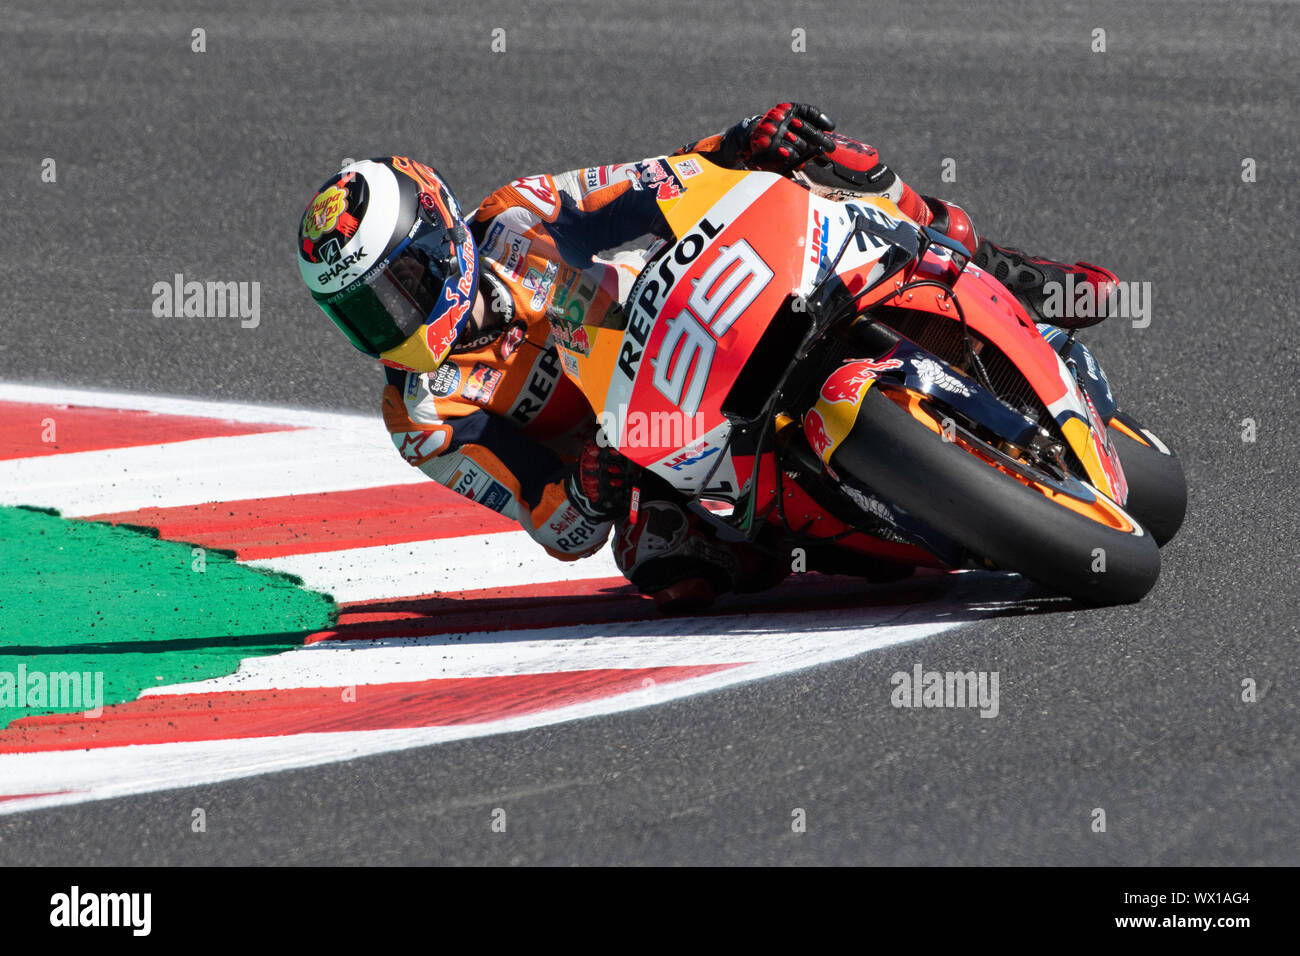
{"x": 167, "y": 405}
{"x": 341, "y": 452}
{"x": 205, "y": 469}
{"x": 500, "y": 559}
{"x": 120, "y": 771}
{"x": 788, "y": 637}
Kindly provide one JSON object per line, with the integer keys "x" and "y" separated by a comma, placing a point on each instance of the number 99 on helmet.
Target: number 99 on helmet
{"x": 387, "y": 256}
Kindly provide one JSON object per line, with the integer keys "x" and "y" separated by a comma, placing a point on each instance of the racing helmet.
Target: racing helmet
{"x": 386, "y": 254}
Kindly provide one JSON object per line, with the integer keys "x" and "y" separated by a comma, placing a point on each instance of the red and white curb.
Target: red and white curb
{"x": 454, "y": 624}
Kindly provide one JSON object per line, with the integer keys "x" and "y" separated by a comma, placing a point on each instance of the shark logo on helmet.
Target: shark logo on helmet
{"x": 342, "y": 265}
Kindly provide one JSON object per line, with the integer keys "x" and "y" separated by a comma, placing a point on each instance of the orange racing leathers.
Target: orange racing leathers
{"x": 499, "y": 422}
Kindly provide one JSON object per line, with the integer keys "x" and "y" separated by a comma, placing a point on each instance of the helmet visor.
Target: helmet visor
{"x": 394, "y": 300}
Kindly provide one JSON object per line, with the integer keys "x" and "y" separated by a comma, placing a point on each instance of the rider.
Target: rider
{"x": 456, "y": 309}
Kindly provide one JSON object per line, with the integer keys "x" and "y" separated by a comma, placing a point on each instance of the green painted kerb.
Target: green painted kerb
{"x": 86, "y": 598}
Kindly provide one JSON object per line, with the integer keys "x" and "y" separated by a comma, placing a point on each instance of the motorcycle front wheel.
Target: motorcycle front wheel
{"x": 1062, "y": 535}
{"x": 1157, "y": 488}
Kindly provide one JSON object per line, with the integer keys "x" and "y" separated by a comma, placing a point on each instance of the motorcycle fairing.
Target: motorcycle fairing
{"x": 994, "y": 313}
{"x": 732, "y": 231}
{"x": 831, "y": 419}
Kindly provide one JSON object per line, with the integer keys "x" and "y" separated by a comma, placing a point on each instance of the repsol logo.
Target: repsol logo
{"x": 342, "y": 265}
{"x": 540, "y": 385}
{"x": 649, "y": 297}
{"x": 896, "y": 231}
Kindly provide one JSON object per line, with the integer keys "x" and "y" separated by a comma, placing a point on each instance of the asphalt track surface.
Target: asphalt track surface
{"x": 171, "y": 161}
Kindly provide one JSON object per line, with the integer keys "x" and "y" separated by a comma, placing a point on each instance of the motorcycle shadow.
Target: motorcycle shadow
{"x": 801, "y": 603}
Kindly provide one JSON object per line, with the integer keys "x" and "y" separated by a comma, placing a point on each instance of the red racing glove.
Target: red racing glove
{"x": 601, "y": 485}
{"x": 787, "y": 136}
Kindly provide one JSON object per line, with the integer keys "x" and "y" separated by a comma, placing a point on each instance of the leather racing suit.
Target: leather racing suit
{"x": 498, "y": 422}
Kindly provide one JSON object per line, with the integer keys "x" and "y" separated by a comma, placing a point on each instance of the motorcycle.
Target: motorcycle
{"x": 828, "y": 375}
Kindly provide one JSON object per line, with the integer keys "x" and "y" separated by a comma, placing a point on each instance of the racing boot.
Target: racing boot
{"x": 667, "y": 554}
{"x": 1067, "y": 296}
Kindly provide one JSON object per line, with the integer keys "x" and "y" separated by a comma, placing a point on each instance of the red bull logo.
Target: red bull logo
{"x": 814, "y": 427}
{"x": 456, "y": 300}
{"x": 659, "y": 176}
{"x": 849, "y": 381}
{"x": 468, "y": 256}
{"x": 482, "y": 383}
{"x": 441, "y": 333}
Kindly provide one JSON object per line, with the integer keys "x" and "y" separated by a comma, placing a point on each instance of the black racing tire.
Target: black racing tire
{"x": 992, "y": 514}
{"x": 1157, "y": 487}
